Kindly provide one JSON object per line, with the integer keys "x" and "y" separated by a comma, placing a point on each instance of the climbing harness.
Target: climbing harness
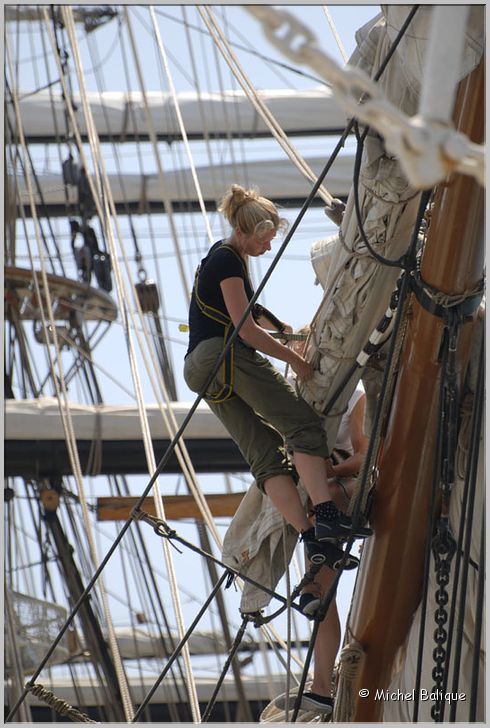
{"x": 222, "y": 318}
{"x": 227, "y": 365}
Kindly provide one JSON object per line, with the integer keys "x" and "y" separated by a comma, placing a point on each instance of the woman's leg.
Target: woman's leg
{"x": 283, "y": 493}
{"x": 327, "y": 641}
{"x": 312, "y": 471}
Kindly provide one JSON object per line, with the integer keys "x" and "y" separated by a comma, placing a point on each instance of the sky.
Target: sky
{"x": 291, "y": 292}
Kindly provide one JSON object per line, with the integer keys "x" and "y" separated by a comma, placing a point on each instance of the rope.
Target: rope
{"x": 151, "y": 131}
{"x": 350, "y": 663}
{"x": 385, "y": 397}
{"x": 216, "y": 182}
{"x": 163, "y": 56}
{"x": 178, "y": 648}
{"x": 234, "y": 648}
{"x": 289, "y": 615}
{"x": 260, "y": 107}
{"x": 59, "y": 705}
{"x": 336, "y": 36}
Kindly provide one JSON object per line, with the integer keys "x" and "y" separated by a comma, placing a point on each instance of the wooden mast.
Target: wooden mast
{"x": 390, "y": 579}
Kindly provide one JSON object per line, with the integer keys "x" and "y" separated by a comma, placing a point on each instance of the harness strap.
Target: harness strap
{"x": 226, "y": 391}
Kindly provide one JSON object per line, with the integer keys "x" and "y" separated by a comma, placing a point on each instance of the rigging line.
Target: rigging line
{"x": 288, "y": 622}
{"x": 179, "y": 647}
{"x": 262, "y": 109}
{"x": 267, "y": 59}
{"x": 208, "y": 146}
{"x": 91, "y": 44}
{"x": 11, "y": 634}
{"x": 42, "y": 204}
{"x": 191, "y": 688}
{"x": 60, "y": 386}
{"x": 151, "y": 130}
{"x": 44, "y": 87}
{"x": 335, "y": 34}
{"x": 388, "y": 379}
{"x": 58, "y": 137}
{"x": 472, "y": 476}
{"x": 402, "y": 261}
{"x": 235, "y": 106}
{"x": 239, "y": 636}
{"x": 475, "y": 667}
{"x": 174, "y": 60}
{"x": 107, "y": 200}
{"x": 228, "y": 126}
{"x": 155, "y": 599}
{"x": 461, "y": 554}
{"x": 28, "y": 366}
{"x": 164, "y": 60}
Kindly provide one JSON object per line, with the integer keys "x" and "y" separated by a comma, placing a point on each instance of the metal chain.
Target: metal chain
{"x": 444, "y": 543}
{"x": 444, "y": 548}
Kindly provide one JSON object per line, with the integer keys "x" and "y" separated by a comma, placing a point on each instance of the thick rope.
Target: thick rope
{"x": 350, "y": 662}
{"x": 60, "y": 706}
{"x": 335, "y": 34}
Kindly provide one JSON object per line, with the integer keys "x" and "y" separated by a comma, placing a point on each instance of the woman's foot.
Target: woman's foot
{"x": 309, "y": 603}
{"x": 309, "y": 701}
{"x": 313, "y": 701}
{"x": 326, "y": 553}
{"x": 331, "y": 524}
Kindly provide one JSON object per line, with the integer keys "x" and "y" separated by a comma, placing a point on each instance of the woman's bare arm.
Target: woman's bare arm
{"x": 352, "y": 464}
{"x": 236, "y": 302}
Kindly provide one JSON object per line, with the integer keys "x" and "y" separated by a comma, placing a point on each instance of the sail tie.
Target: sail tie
{"x": 351, "y": 658}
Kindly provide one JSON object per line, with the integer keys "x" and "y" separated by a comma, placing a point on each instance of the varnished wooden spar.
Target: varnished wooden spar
{"x": 389, "y": 584}
{"x": 118, "y": 508}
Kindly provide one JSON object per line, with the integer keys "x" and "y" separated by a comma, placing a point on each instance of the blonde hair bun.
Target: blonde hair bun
{"x": 247, "y": 210}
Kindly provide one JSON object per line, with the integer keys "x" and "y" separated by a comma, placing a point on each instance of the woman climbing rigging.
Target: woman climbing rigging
{"x": 261, "y": 411}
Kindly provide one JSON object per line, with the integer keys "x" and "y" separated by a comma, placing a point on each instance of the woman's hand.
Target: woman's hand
{"x": 330, "y": 468}
{"x": 302, "y": 368}
{"x": 286, "y": 330}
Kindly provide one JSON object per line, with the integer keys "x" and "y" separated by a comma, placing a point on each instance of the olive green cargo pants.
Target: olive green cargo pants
{"x": 265, "y": 416}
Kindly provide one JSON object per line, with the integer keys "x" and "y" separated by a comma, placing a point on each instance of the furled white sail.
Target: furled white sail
{"x": 121, "y": 116}
{"x": 277, "y": 179}
{"x": 40, "y": 419}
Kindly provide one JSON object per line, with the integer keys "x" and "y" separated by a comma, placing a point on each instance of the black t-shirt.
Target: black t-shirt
{"x": 219, "y": 264}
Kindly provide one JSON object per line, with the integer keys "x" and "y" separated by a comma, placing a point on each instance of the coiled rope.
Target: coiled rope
{"x": 58, "y": 704}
